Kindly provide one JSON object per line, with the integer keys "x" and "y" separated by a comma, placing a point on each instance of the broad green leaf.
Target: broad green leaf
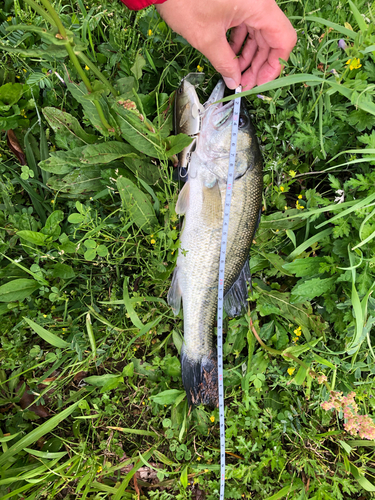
{"x": 137, "y": 205}
{"x": 62, "y": 162}
{"x": 76, "y": 218}
{"x": 10, "y": 93}
{"x": 17, "y": 290}
{"x": 135, "y": 132}
{"x": 52, "y": 227}
{"x": 79, "y": 92}
{"x": 51, "y": 53}
{"x": 126, "y": 85}
{"x": 337, "y": 27}
{"x": 49, "y": 337}
{"x": 310, "y": 289}
{"x": 143, "y": 168}
{"x": 167, "y": 397}
{"x": 37, "y": 433}
{"x": 63, "y": 271}
{"x": 304, "y": 267}
{"x": 68, "y": 132}
{"x": 138, "y": 65}
{"x": 176, "y": 143}
{"x": 79, "y": 181}
{"x": 107, "y": 152}
{"x": 33, "y": 237}
{"x": 300, "y": 375}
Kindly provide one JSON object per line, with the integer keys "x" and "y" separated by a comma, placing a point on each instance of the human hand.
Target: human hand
{"x": 204, "y": 23}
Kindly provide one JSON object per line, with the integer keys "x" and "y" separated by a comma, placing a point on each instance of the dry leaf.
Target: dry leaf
{"x": 15, "y": 147}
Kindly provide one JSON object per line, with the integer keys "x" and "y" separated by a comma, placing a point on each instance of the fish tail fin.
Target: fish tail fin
{"x": 200, "y": 379}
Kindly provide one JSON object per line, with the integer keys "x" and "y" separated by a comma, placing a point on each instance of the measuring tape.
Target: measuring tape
{"x": 220, "y": 298}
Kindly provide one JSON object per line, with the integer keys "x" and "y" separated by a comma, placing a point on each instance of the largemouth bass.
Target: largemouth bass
{"x": 195, "y": 279}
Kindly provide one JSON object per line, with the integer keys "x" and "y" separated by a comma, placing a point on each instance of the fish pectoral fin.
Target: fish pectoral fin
{"x": 183, "y": 200}
{"x": 174, "y": 294}
{"x": 235, "y": 300}
{"x": 212, "y": 207}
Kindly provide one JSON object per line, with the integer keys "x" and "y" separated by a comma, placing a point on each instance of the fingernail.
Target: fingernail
{"x": 230, "y": 83}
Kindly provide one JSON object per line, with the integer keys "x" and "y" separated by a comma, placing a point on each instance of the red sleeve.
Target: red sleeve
{"x": 140, "y": 4}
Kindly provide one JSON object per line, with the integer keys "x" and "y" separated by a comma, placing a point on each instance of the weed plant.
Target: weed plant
{"x": 91, "y": 403}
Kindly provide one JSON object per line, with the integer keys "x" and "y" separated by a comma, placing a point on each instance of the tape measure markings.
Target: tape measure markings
{"x": 220, "y": 309}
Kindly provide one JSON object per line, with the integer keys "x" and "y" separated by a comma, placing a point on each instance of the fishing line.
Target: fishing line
{"x": 220, "y": 301}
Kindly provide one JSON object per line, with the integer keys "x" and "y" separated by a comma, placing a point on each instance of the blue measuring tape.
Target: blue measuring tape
{"x": 220, "y": 299}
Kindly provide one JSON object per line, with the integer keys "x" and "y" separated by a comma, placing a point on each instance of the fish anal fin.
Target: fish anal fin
{"x": 235, "y": 300}
{"x": 212, "y": 207}
{"x": 174, "y": 294}
{"x": 183, "y": 200}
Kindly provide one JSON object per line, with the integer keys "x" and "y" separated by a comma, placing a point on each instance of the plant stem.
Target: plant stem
{"x": 96, "y": 72}
{"x": 55, "y": 18}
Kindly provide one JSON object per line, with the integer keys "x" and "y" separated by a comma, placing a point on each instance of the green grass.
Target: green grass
{"x": 90, "y": 371}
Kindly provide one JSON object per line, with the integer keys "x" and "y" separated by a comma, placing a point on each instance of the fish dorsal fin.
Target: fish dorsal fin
{"x": 174, "y": 294}
{"x": 212, "y": 209}
{"x": 183, "y": 200}
{"x": 235, "y": 300}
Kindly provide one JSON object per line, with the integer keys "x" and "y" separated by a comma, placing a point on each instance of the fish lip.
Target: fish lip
{"x": 216, "y": 94}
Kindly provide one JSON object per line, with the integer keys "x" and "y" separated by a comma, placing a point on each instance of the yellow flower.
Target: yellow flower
{"x": 153, "y": 241}
{"x": 134, "y": 348}
{"x": 24, "y": 70}
{"x": 299, "y": 206}
{"x": 86, "y": 68}
{"x": 354, "y": 63}
{"x": 200, "y": 68}
{"x": 52, "y": 201}
{"x": 292, "y": 173}
{"x": 174, "y": 227}
{"x": 18, "y": 77}
{"x": 300, "y": 196}
{"x": 286, "y": 207}
{"x": 149, "y": 32}
{"x": 109, "y": 308}
{"x": 44, "y": 315}
{"x": 9, "y": 18}
{"x": 212, "y": 418}
{"x": 99, "y": 469}
{"x": 298, "y": 331}
{"x": 282, "y": 189}
{"x": 199, "y": 459}
{"x": 291, "y": 371}
{"x": 172, "y": 252}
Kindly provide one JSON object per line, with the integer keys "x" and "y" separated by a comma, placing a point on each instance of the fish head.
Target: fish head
{"x": 214, "y": 140}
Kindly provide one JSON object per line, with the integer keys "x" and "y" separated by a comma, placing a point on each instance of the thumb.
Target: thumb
{"x": 224, "y": 60}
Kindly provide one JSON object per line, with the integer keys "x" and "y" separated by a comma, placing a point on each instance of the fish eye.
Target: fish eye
{"x": 242, "y": 122}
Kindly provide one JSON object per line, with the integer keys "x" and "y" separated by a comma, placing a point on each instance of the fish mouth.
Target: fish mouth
{"x": 220, "y": 111}
{"x": 216, "y": 94}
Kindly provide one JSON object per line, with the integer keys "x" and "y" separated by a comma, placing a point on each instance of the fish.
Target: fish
{"x": 187, "y": 119}
{"x": 201, "y": 201}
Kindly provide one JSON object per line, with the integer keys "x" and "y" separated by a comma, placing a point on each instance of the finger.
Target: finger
{"x": 223, "y": 59}
{"x": 272, "y": 68}
{"x": 248, "y": 51}
{"x": 237, "y": 37}
{"x": 249, "y": 78}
